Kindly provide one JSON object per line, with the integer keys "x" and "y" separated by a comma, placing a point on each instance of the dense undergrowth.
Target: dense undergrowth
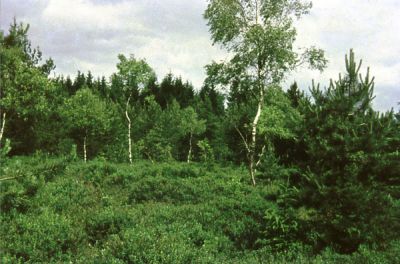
{"x": 60, "y": 210}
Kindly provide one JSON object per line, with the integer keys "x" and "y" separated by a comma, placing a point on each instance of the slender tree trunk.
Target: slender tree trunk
{"x": 190, "y": 148}
{"x": 129, "y": 130}
{"x": 254, "y": 137}
{"x": 3, "y": 124}
{"x": 84, "y": 149}
{"x": 129, "y": 141}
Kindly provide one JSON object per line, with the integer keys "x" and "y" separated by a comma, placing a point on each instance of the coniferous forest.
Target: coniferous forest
{"x": 139, "y": 168}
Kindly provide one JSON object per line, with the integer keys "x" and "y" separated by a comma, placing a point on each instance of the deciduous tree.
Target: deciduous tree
{"x": 260, "y": 36}
{"x": 87, "y": 115}
{"x": 191, "y": 125}
{"x": 133, "y": 74}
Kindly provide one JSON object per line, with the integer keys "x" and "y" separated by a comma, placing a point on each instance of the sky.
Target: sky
{"x": 173, "y": 37}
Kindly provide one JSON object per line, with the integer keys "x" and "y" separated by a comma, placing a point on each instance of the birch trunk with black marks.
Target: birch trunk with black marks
{"x": 129, "y": 130}
{"x": 253, "y": 143}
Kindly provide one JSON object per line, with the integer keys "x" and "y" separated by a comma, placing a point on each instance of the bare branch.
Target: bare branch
{"x": 244, "y": 140}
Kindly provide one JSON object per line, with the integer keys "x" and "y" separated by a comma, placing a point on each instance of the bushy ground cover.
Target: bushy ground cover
{"x": 56, "y": 210}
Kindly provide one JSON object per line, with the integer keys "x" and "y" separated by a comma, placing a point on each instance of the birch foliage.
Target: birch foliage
{"x": 259, "y": 36}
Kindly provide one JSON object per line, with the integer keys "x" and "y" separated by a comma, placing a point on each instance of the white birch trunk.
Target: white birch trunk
{"x": 129, "y": 130}
{"x": 84, "y": 149}
{"x": 3, "y": 124}
{"x": 254, "y": 137}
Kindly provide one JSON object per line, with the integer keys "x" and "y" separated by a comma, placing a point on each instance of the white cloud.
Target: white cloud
{"x": 83, "y": 15}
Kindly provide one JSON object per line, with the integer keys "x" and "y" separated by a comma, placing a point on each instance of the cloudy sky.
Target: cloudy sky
{"x": 173, "y": 37}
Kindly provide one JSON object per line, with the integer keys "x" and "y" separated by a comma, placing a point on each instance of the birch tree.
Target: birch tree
{"x": 191, "y": 126}
{"x": 133, "y": 74}
{"x": 87, "y": 115}
{"x": 260, "y": 36}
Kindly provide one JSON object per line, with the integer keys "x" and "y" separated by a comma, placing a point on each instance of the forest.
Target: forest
{"x": 138, "y": 168}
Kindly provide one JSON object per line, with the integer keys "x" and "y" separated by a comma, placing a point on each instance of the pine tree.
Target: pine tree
{"x": 295, "y": 95}
{"x": 350, "y": 162}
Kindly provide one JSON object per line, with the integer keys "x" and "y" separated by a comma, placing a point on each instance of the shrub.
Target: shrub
{"x": 66, "y": 194}
{"x": 44, "y": 237}
{"x": 174, "y": 243}
{"x": 18, "y": 190}
{"x": 108, "y": 221}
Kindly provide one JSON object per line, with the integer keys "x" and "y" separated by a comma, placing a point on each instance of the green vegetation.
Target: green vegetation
{"x": 132, "y": 170}
{"x": 60, "y": 210}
